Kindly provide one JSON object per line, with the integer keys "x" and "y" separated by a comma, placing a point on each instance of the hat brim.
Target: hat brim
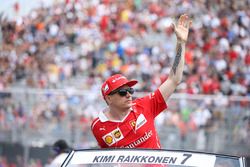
{"x": 130, "y": 83}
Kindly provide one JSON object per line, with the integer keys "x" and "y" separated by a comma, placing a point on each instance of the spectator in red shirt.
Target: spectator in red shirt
{"x": 130, "y": 123}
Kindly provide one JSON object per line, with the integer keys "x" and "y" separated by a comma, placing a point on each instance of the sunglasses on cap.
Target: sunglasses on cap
{"x": 123, "y": 91}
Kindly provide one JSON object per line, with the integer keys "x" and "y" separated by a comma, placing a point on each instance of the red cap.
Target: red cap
{"x": 114, "y": 82}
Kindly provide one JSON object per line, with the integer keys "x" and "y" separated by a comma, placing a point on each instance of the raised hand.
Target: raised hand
{"x": 181, "y": 28}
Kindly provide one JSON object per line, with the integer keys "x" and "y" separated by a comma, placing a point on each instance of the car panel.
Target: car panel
{"x": 148, "y": 157}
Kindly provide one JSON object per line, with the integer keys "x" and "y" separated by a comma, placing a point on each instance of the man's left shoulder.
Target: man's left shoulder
{"x": 148, "y": 96}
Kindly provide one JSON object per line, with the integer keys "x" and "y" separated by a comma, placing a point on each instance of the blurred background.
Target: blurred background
{"x": 56, "y": 54}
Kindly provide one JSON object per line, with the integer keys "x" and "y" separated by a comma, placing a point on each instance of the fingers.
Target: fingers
{"x": 188, "y": 23}
{"x": 185, "y": 21}
{"x": 173, "y": 26}
{"x": 181, "y": 20}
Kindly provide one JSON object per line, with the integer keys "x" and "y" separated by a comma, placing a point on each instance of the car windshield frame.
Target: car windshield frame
{"x": 171, "y": 158}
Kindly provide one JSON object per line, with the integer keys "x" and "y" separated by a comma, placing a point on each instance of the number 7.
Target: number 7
{"x": 187, "y": 156}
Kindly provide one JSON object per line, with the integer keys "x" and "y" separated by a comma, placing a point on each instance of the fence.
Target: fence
{"x": 37, "y": 118}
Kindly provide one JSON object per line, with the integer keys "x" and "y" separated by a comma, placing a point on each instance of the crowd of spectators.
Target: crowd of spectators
{"x": 79, "y": 43}
{"x": 92, "y": 39}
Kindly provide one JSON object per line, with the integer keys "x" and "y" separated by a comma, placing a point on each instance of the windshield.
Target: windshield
{"x": 148, "y": 158}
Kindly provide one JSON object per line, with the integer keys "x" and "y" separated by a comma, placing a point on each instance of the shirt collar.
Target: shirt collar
{"x": 104, "y": 118}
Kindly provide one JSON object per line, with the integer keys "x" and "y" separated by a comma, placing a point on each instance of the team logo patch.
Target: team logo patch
{"x": 117, "y": 134}
{"x": 116, "y": 79}
{"x": 132, "y": 124}
{"x": 141, "y": 120}
{"x": 113, "y": 137}
{"x": 108, "y": 139}
{"x": 106, "y": 88}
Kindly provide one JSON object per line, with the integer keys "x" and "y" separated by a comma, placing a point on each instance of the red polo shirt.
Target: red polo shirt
{"x": 136, "y": 130}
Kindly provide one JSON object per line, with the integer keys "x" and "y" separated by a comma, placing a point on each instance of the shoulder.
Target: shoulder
{"x": 101, "y": 118}
{"x": 149, "y": 96}
{"x": 95, "y": 123}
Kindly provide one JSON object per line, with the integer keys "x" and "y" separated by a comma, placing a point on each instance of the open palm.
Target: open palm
{"x": 181, "y": 28}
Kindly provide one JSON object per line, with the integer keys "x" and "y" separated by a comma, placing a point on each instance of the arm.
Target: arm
{"x": 175, "y": 76}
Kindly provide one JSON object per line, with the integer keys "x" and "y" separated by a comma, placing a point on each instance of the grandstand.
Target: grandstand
{"x": 53, "y": 61}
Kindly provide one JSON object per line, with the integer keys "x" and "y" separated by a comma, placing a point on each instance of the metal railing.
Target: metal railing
{"x": 35, "y": 117}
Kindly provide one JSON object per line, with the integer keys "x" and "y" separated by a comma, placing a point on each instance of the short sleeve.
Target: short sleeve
{"x": 152, "y": 104}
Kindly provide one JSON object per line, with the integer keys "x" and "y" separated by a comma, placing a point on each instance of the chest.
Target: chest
{"x": 132, "y": 128}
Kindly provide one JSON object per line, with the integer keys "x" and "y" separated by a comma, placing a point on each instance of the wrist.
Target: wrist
{"x": 179, "y": 41}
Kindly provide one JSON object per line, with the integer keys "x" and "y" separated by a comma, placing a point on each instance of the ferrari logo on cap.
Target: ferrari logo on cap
{"x": 106, "y": 87}
{"x": 116, "y": 79}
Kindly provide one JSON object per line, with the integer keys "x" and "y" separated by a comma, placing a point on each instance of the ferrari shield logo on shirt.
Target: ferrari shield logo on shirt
{"x": 141, "y": 120}
{"x": 132, "y": 124}
{"x": 113, "y": 137}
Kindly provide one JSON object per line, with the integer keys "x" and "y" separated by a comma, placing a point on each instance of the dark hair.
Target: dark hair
{"x": 61, "y": 146}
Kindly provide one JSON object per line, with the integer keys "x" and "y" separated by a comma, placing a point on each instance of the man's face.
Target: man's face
{"x": 121, "y": 97}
